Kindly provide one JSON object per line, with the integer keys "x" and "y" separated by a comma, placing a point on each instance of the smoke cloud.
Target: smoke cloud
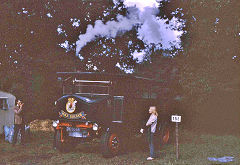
{"x": 151, "y": 29}
{"x": 155, "y": 31}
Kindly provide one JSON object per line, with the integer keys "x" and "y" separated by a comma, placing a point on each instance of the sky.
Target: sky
{"x": 141, "y": 4}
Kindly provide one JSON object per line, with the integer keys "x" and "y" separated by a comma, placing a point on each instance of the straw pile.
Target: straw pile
{"x": 43, "y": 125}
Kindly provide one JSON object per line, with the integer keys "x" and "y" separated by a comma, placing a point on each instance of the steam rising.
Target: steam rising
{"x": 150, "y": 29}
{"x": 110, "y": 29}
{"x": 156, "y": 31}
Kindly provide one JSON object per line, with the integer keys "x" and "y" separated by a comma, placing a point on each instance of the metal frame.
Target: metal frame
{"x": 92, "y": 94}
{"x": 104, "y": 79}
{"x": 85, "y": 81}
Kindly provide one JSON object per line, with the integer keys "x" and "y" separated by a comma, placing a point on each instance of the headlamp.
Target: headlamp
{"x": 55, "y": 123}
{"x": 95, "y": 127}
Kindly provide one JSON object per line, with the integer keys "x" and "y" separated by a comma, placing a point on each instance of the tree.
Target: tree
{"x": 209, "y": 63}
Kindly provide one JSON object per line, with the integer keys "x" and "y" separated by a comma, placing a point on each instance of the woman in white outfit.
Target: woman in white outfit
{"x": 151, "y": 128}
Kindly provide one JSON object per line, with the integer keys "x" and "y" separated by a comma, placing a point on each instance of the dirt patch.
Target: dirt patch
{"x": 43, "y": 125}
{"x": 22, "y": 158}
{"x": 40, "y": 157}
{"x": 31, "y": 158}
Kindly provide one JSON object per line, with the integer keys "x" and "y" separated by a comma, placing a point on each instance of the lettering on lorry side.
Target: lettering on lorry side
{"x": 80, "y": 115}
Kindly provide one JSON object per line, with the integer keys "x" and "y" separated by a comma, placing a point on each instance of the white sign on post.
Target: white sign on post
{"x": 176, "y": 118}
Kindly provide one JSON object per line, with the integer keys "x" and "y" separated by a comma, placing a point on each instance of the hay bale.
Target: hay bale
{"x": 42, "y": 125}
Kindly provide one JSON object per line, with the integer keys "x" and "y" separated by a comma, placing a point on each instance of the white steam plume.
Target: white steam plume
{"x": 156, "y": 31}
{"x": 110, "y": 29}
{"x": 151, "y": 29}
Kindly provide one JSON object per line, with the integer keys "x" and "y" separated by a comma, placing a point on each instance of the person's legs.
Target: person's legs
{"x": 151, "y": 145}
{"x": 22, "y": 131}
{"x": 54, "y": 138}
{"x": 15, "y": 133}
{"x": 156, "y": 144}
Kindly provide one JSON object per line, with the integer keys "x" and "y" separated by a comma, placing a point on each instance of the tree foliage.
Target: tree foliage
{"x": 32, "y": 34}
{"x": 209, "y": 63}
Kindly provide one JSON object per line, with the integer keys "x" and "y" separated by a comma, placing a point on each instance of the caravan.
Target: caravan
{"x": 7, "y": 103}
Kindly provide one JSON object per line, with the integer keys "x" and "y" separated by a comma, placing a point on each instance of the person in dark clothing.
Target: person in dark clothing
{"x": 55, "y": 133}
{"x": 150, "y": 126}
{"x": 18, "y": 122}
{"x": 55, "y": 123}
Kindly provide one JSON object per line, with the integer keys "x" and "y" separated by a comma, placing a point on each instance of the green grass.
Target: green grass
{"x": 194, "y": 150}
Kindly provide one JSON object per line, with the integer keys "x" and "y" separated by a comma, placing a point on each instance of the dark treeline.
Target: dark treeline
{"x": 202, "y": 80}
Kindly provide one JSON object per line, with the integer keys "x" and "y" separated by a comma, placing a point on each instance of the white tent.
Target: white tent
{"x": 7, "y": 103}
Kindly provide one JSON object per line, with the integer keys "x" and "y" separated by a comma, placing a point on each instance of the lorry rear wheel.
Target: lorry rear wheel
{"x": 166, "y": 136}
{"x": 110, "y": 144}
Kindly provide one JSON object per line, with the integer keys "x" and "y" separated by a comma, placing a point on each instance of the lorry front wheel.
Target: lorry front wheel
{"x": 63, "y": 146}
{"x": 59, "y": 143}
{"x": 110, "y": 144}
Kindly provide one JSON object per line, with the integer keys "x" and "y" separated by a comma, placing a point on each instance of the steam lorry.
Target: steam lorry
{"x": 109, "y": 107}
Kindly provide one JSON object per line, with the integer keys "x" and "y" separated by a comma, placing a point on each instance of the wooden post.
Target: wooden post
{"x": 177, "y": 149}
{"x": 176, "y": 119}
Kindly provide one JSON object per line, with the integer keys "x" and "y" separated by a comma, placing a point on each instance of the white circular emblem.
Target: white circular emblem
{"x": 71, "y": 105}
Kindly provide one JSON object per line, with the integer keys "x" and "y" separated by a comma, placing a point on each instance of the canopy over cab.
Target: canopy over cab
{"x": 95, "y": 83}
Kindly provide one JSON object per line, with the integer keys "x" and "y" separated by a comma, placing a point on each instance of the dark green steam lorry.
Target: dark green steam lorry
{"x": 110, "y": 107}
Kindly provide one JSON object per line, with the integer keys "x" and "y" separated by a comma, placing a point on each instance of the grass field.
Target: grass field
{"x": 194, "y": 150}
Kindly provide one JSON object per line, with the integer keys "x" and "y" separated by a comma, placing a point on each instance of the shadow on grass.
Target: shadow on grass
{"x": 39, "y": 149}
{"x": 135, "y": 144}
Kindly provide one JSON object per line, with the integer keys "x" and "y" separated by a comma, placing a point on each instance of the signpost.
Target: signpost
{"x": 176, "y": 119}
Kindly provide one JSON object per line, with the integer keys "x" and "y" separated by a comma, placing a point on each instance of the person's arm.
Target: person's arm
{"x": 151, "y": 120}
{"x": 145, "y": 126}
{"x": 18, "y": 110}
